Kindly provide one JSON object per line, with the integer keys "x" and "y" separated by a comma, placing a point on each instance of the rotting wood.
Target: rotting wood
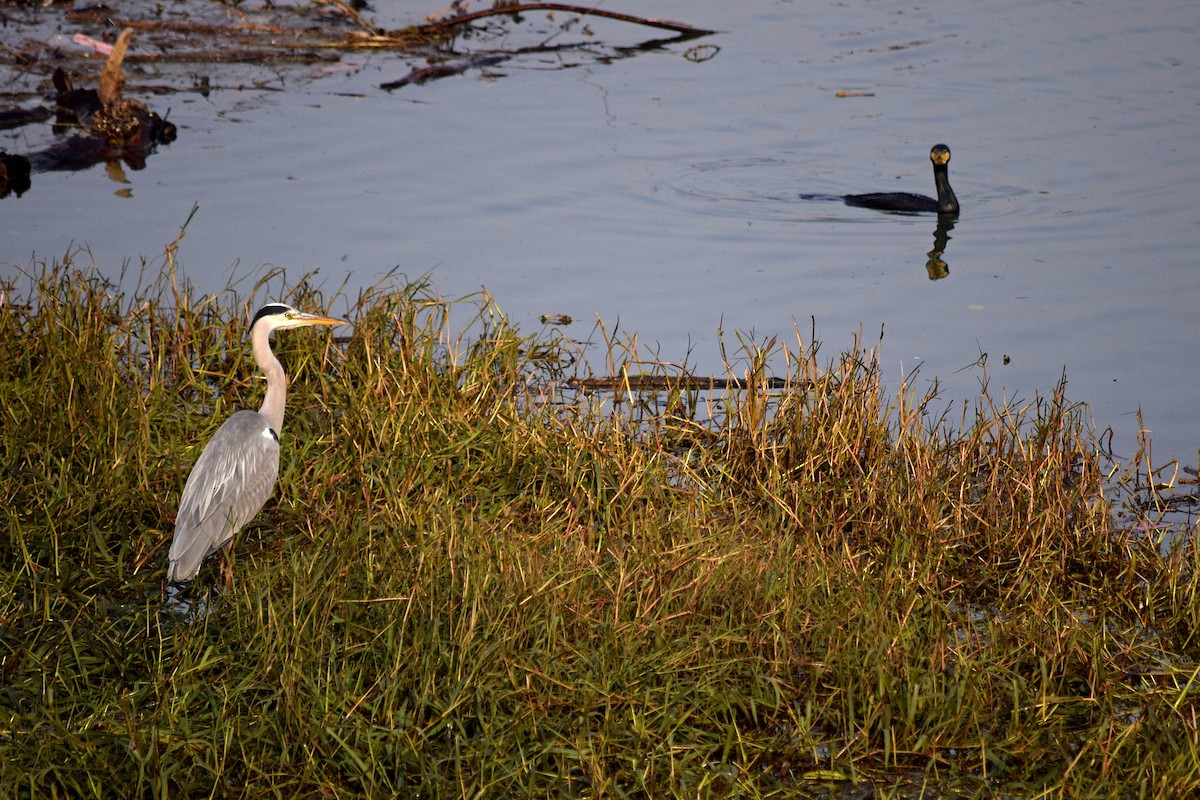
{"x": 112, "y": 77}
{"x": 111, "y": 127}
{"x": 16, "y": 117}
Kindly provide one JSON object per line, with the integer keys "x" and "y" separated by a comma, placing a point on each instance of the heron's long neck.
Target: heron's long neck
{"x": 272, "y": 407}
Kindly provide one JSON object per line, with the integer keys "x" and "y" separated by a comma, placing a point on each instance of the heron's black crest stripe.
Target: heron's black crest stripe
{"x": 268, "y": 310}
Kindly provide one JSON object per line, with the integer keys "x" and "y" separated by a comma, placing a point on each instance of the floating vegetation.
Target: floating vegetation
{"x": 452, "y": 40}
{"x": 169, "y": 41}
{"x": 478, "y": 580}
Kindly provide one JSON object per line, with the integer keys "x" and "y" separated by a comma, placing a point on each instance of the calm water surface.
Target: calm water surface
{"x": 660, "y": 193}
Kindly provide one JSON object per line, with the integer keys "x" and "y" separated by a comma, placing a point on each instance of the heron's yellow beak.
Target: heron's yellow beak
{"x": 316, "y": 319}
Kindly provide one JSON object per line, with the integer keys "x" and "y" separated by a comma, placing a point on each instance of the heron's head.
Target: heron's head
{"x": 277, "y": 316}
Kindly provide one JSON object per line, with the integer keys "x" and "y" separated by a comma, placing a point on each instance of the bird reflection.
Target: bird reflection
{"x": 936, "y": 266}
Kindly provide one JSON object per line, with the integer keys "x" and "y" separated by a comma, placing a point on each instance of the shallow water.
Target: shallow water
{"x": 662, "y": 193}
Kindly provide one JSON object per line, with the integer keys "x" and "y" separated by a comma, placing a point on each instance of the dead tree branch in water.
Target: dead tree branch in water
{"x": 442, "y": 25}
{"x": 659, "y": 383}
{"x": 448, "y": 27}
{"x": 282, "y": 38}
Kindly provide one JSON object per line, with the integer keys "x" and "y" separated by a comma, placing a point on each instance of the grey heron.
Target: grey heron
{"x": 236, "y": 473}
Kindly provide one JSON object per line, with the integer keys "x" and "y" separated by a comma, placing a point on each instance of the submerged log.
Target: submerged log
{"x": 16, "y": 117}
{"x": 14, "y": 174}
{"x": 661, "y": 383}
{"x": 118, "y": 129}
{"x": 106, "y": 126}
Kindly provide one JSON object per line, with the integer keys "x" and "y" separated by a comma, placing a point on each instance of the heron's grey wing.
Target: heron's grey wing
{"x": 229, "y": 484}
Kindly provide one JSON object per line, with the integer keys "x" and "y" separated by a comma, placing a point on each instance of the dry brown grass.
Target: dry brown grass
{"x": 477, "y": 582}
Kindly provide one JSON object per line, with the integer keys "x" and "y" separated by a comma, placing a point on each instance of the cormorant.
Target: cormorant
{"x": 946, "y": 202}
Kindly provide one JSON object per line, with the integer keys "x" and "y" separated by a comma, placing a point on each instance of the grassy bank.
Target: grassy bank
{"x": 475, "y": 582}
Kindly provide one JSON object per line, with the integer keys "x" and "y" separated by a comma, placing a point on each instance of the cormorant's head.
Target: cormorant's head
{"x": 940, "y": 154}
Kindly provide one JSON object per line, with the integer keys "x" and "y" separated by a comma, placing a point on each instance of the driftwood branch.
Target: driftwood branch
{"x": 200, "y": 41}
{"x": 423, "y": 74}
{"x": 444, "y": 26}
{"x": 441, "y": 25}
{"x": 662, "y": 383}
{"x": 112, "y": 78}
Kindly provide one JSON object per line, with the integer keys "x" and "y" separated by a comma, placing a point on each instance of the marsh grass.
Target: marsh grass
{"x": 474, "y": 581}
